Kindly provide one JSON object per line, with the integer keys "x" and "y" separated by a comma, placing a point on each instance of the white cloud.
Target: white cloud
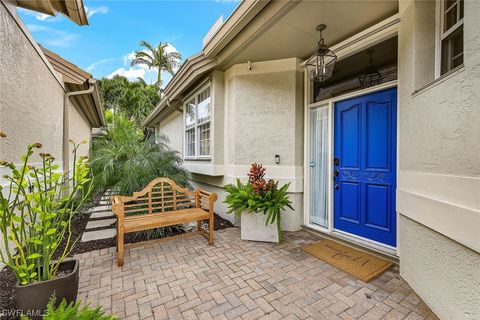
{"x": 45, "y": 17}
{"x": 56, "y": 38}
{"x": 92, "y": 11}
{"x": 92, "y": 66}
{"x": 63, "y": 42}
{"x": 42, "y": 16}
{"x": 130, "y": 73}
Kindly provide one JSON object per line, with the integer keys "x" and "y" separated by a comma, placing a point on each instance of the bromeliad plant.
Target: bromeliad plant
{"x": 36, "y": 213}
{"x": 259, "y": 195}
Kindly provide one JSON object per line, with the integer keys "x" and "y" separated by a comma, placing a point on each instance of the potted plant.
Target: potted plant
{"x": 260, "y": 204}
{"x": 36, "y": 213}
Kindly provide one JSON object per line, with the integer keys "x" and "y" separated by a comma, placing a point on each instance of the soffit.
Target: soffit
{"x": 293, "y": 33}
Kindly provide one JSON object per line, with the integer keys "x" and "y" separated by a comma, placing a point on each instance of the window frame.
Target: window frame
{"x": 197, "y": 125}
{"x": 441, "y": 35}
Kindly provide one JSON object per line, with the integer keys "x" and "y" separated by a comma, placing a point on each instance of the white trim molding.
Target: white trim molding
{"x": 446, "y": 204}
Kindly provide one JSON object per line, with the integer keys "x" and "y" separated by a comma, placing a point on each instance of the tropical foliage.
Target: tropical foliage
{"x": 124, "y": 161}
{"x": 135, "y": 100}
{"x": 36, "y": 213}
{"x": 259, "y": 195}
{"x": 73, "y": 311}
{"x": 159, "y": 58}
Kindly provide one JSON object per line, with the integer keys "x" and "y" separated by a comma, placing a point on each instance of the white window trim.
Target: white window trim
{"x": 440, "y": 35}
{"x": 194, "y": 95}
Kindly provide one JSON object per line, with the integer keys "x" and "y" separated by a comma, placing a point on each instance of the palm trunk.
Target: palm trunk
{"x": 159, "y": 82}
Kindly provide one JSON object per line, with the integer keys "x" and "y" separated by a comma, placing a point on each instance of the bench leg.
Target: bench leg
{"x": 210, "y": 230}
{"x": 120, "y": 247}
{"x": 199, "y": 225}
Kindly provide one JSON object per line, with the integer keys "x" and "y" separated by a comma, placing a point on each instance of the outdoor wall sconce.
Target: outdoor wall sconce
{"x": 371, "y": 76}
{"x": 320, "y": 66}
{"x": 277, "y": 159}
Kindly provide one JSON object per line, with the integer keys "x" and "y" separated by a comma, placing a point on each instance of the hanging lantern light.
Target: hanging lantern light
{"x": 320, "y": 66}
{"x": 371, "y": 76}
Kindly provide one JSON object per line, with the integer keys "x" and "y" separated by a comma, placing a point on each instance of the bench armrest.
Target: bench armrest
{"x": 118, "y": 206}
{"x": 206, "y": 200}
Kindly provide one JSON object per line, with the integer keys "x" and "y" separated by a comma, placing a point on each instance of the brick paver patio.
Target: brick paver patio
{"x": 234, "y": 279}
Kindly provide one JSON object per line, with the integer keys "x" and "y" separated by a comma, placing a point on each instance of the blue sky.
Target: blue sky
{"x": 103, "y": 47}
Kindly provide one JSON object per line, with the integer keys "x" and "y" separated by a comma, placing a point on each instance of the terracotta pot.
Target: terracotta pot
{"x": 32, "y": 299}
{"x": 252, "y": 227}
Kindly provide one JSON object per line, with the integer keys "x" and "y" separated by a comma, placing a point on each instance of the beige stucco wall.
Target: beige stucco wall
{"x": 79, "y": 130}
{"x": 257, "y": 114}
{"x": 172, "y": 127}
{"x": 444, "y": 273}
{"x": 439, "y": 169}
{"x": 31, "y": 99}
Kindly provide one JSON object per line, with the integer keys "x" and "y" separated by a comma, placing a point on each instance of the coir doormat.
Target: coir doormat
{"x": 360, "y": 264}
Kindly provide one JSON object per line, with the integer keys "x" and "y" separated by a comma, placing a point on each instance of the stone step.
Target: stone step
{"x": 98, "y": 234}
{"x": 92, "y": 224}
{"x": 102, "y": 214}
{"x": 101, "y": 208}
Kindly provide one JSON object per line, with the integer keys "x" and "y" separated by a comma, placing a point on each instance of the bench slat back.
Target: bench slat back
{"x": 160, "y": 195}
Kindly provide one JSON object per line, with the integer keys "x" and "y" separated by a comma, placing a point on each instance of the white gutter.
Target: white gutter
{"x": 66, "y": 133}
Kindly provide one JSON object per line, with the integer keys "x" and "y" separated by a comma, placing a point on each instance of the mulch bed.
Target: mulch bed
{"x": 79, "y": 222}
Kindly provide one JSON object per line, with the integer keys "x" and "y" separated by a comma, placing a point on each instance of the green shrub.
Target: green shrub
{"x": 125, "y": 162}
{"x": 73, "y": 312}
{"x": 259, "y": 195}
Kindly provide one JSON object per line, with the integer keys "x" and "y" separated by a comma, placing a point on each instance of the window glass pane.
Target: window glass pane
{"x": 204, "y": 134}
{"x": 190, "y": 140}
{"x": 318, "y": 168}
{"x": 190, "y": 114}
{"x": 203, "y": 109}
{"x": 453, "y": 12}
{"x": 450, "y": 15}
{"x": 452, "y": 50}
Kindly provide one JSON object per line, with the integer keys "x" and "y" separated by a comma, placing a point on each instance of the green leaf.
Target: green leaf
{"x": 34, "y": 256}
{"x": 51, "y": 231}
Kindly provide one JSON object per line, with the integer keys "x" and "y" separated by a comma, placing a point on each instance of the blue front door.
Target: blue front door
{"x": 365, "y": 166}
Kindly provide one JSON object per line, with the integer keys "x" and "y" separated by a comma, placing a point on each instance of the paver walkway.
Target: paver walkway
{"x": 234, "y": 279}
{"x": 100, "y": 225}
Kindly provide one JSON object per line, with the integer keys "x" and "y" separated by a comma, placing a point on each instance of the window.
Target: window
{"x": 451, "y": 34}
{"x": 197, "y": 125}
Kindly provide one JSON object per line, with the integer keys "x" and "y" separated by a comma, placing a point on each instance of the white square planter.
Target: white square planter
{"x": 252, "y": 227}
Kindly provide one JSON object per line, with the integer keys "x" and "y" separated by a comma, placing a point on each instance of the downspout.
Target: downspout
{"x": 66, "y": 133}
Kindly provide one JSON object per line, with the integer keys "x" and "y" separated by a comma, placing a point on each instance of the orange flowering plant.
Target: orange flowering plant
{"x": 259, "y": 195}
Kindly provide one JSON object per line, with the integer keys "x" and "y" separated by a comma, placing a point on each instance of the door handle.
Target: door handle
{"x": 337, "y": 186}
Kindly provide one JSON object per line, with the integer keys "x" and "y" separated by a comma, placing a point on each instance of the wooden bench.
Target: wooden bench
{"x": 160, "y": 204}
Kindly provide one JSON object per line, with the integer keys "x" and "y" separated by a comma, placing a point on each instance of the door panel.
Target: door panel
{"x": 350, "y": 209}
{"x": 350, "y": 137}
{"x": 365, "y": 172}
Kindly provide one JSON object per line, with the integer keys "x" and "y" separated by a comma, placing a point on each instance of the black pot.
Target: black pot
{"x": 32, "y": 299}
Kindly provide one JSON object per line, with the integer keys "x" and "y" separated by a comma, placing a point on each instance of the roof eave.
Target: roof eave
{"x": 72, "y": 9}
{"x": 240, "y": 17}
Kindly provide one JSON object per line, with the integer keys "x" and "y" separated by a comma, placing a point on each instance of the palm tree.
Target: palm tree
{"x": 157, "y": 58}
